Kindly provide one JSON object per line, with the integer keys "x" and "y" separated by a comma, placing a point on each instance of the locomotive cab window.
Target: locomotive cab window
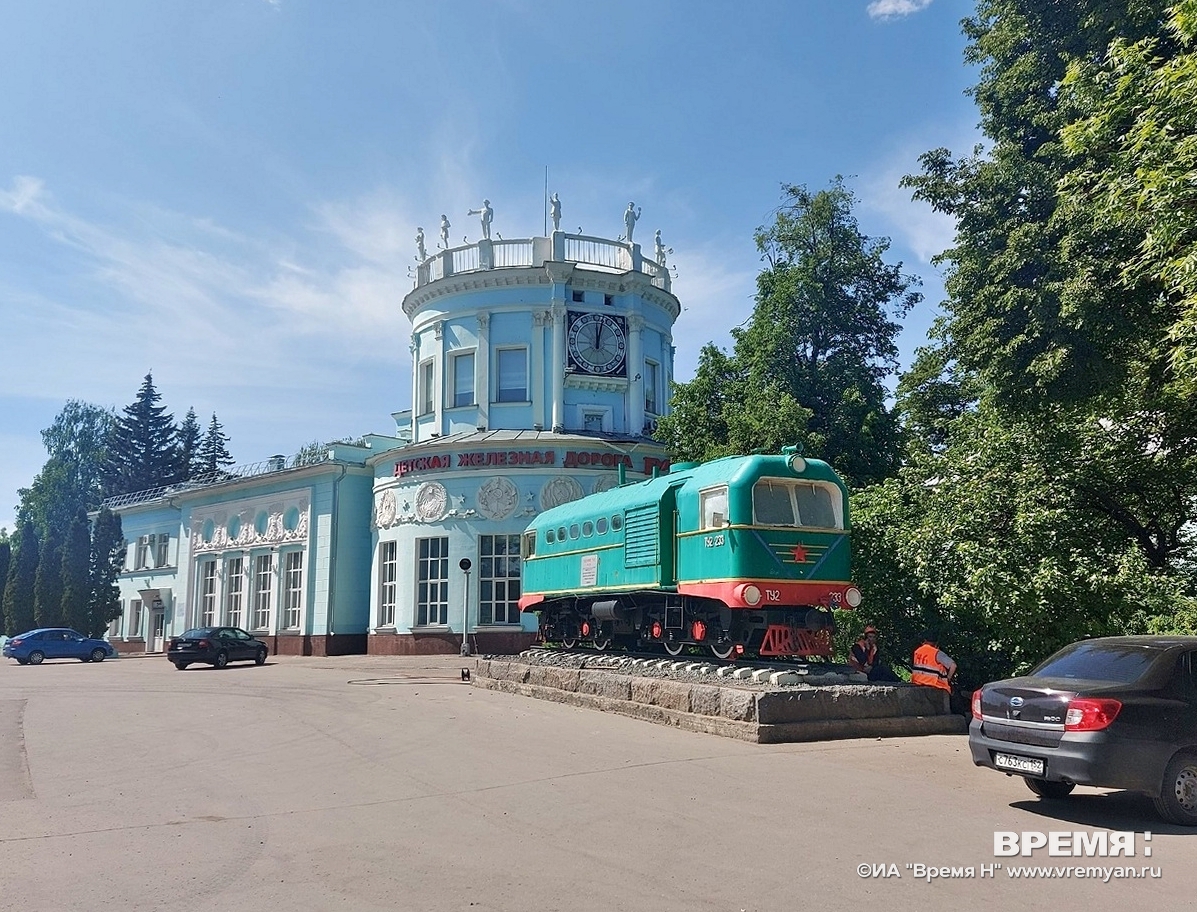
{"x": 782, "y": 502}
{"x": 713, "y": 507}
{"x": 528, "y": 544}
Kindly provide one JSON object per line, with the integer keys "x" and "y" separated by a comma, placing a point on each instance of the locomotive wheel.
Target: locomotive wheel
{"x": 569, "y": 642}
{"x": 723, "y": 650}
{"x": 601, "y": 643}
{"x": 674, "y": 649}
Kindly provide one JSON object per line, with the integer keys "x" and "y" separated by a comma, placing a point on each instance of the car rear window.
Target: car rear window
{"x": 1123, "y": 664}
{"x": 197, "y": 632}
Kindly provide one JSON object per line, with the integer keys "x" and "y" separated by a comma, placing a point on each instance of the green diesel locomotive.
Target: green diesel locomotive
{"x": 742, "y": 555}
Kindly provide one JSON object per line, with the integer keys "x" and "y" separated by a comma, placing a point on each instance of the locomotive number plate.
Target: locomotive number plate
{"x": 714, "y": 541}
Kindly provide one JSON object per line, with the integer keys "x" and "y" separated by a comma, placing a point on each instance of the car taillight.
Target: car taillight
{"x": 977, "y": 704}
{"x": 1086, "y": 714}
{"x": 17, "y": 641}
{"x": 203, "y": 644}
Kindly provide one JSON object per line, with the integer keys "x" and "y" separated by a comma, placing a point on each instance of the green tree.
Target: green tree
{"x": 189, "y": 460}
{"x": 19, "y": 586}
{"x": 75, "y": 569}
{"x": 47, "y": 586}
{"x": 5, "y": 561}
{"x": 1136, "y": 144}
{"x": 809, "y": 367}
{"x": 71, "y": 477}
{"x": 107, "y": 562}
{"x": 725, "y": 411}
{"x": 142, "y": 450}
{"x": 213, "y": 455}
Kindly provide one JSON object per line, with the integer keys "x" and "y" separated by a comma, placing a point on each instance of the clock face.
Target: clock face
{"x": 597, "y": 343}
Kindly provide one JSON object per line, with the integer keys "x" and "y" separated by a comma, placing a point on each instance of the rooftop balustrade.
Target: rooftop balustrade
{"x": 597, "y": 254}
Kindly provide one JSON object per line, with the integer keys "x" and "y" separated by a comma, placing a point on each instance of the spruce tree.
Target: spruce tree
{"x": 142, "y": 452}
{"x": 75, "y": 569}
{"x": 18, "y": 588}
{"x": 107, "y": 561}
{"x": 213, "y": 455}
{"x": 189, "y": 464}
{"x": 47, "y": 585}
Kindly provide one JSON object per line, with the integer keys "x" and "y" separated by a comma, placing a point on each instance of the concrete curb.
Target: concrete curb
{"x": 744, "y": 712}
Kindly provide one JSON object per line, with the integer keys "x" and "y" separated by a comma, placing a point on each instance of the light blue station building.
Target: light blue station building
{"x": 539, "y": 366}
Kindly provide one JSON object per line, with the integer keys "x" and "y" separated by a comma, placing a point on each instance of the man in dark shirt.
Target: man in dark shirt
{"x": 865, "y": 658}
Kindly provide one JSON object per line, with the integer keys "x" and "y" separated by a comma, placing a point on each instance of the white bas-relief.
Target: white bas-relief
{"x": 274, "y": 532}
{"x": 497, "y": 498}
{"x": 559, "y": 490}
{"x": 385, "y": 510}
{"x": 604, "y": 483}
{"x": 431, "y": 501}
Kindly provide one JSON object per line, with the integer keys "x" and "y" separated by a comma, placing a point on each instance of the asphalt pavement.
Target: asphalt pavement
{"x": 370, "y": 783}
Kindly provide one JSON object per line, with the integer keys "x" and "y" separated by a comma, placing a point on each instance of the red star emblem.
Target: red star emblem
{"x": 799, "y": 554}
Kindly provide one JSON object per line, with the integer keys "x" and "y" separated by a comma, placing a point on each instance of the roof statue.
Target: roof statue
{"x": 487, "y": 214}
{"x": 421, "y": 252}
{"x": 445, "y": 226}
{"x": 555, "y": 211}
{"x": 630, "y": 216}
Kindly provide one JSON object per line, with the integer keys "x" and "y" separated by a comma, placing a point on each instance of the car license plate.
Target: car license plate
{"x": 1028, "y": 766}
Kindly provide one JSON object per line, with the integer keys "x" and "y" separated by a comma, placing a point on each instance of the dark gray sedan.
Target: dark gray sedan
{"x": 215, "y": 646}
{"x": 1116, "y": 712}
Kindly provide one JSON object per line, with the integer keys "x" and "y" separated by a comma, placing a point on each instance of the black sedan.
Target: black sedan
{"x": 1116, "y": 712}
{"x": 215, "y": 646}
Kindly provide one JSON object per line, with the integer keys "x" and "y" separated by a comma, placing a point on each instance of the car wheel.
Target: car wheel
{"x": 182, "y": 666}
{"x": 222, "y": 659}
{"x": 98, "y": 655}
{"x": 1177, "y": 802}
{"x": 1046, "y": 789}
{"x": 36, "y": 657}
{"x": 260, "y": 658}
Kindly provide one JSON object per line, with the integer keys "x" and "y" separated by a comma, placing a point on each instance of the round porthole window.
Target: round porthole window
{"x": 616, "y": 523}
{"x": 601, "y": 526}
{"x": 587, "y": 529}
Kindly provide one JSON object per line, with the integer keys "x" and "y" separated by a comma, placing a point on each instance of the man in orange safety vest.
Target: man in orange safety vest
{"x": 931, "y": 666}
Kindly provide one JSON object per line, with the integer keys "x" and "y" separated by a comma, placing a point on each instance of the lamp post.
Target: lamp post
{"x": 465, "y": 565}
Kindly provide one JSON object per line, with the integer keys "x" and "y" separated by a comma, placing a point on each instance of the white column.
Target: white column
{"x": 558, "y": 366}
{"x": 634, "y": 408}
{"x": 540, "y": 319}
{"x": 482, "y": 370}
{"x": 438, "y": 377}
{"x": 415, "y": 386}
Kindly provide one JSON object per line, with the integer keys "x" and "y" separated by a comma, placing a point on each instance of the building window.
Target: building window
{"x": 263, "y": 587}
{"x": 432, "y": 582}
{"x": 142, "y": 559}
{"x": 463, "y": 380}
{"x": 579, "y": 297}
{"x": 162, "y": 550}
{"x": 134, "y": 628}
{"x": 388, "y": 574}
{"x": 234, "y": 591}
{"x": 426, "y": 378}
{"x": 114, "y": 627}
{"x": 651, "y": 371}
{"x": 208, "y": 593}
{"x": 609, "y": 300}
{"x": 512, "y": 367}
{"x": 499, "y": 579}
{"x": 592, "y": 422}
{"x": 292, "y": 589}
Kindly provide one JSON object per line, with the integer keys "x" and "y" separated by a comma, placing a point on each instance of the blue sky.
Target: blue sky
{"x": 226, "y": 194}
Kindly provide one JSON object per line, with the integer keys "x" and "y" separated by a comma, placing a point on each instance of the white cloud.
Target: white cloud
{"x": 893, "y": 9}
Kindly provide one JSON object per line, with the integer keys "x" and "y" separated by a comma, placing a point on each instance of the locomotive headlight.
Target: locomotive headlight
{"x": 797, "y": 465}
{"x": 852, "y": 597}
{"x": 750, "y": 594}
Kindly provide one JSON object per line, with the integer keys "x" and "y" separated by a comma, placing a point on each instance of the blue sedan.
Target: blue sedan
{"x": 36, "y": 646}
